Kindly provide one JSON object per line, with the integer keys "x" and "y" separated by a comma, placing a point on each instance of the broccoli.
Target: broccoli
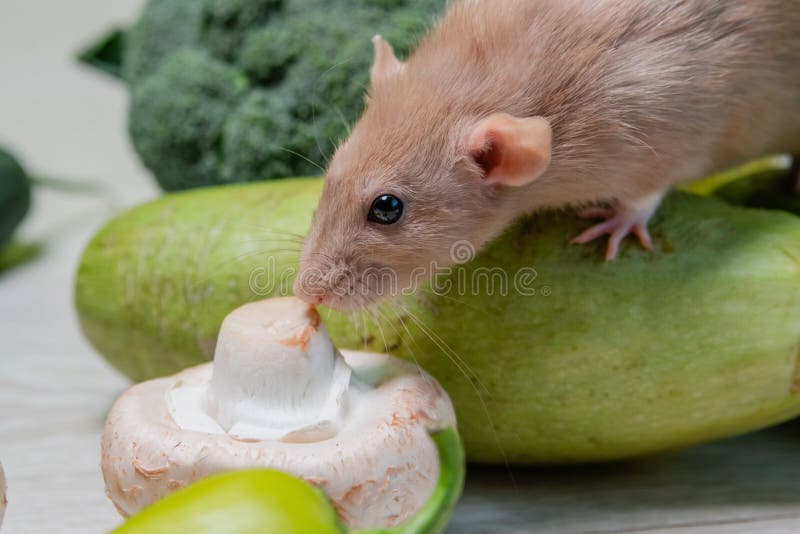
{"x": 229, "y": 91}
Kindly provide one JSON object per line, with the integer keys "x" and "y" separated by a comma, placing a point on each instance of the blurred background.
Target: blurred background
{"x": 66, "y": 121}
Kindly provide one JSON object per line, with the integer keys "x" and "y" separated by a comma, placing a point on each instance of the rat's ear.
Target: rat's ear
{"x": 511, "y": 151}
{"x": 386, "y": 65}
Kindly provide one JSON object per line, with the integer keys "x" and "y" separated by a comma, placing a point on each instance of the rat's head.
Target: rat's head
{"x": 416, "y": 180}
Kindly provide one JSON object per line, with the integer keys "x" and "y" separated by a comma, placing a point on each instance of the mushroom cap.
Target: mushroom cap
{"x": 377, "y": 470}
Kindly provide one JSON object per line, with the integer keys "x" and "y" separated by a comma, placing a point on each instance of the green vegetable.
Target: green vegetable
{"x": 769, "y": 189}
{"x": 239, "y": 502}
{"x": 15, "y": 195}
{"x": 748, "y": 171}
{"x": 242, "y": 90}
{"x": 106, "y": 54}
{"x": 271, "y": 502}
{"x": 14, "y": 253}
{"x": 694, "y": 341}
{"x": 15, "y": 201}
{"x": 766, "y": 183}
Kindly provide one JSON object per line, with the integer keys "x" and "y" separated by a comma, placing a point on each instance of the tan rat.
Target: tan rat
{"x": 513, "y": 106}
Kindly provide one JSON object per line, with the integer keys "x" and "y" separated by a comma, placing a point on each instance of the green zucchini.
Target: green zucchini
{"x": 696, "y": 340}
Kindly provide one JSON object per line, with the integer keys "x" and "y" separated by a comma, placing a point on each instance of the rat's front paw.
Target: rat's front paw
{"x": 620, "y": 222}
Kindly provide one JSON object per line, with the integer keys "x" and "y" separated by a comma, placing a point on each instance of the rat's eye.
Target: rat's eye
{"x": 386, "y": 209}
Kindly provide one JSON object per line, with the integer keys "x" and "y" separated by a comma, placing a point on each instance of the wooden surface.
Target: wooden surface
{"x": 54, "y": 391}
{"x": 747, "y": 484}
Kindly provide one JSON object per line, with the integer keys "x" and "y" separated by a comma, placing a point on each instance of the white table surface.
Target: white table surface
{"x": 64, "y": 120}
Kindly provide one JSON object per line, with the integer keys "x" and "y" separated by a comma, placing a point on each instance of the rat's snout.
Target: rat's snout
{"x": 332, "y": 285}
{"x": 310, "y": 286}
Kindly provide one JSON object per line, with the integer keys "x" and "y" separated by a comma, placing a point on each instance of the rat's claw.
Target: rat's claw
{"x": 604, "y": 228}
{"x": 643, "y": 234}
{"x": 620, "y": 223}
{"x": 617, "y": 228}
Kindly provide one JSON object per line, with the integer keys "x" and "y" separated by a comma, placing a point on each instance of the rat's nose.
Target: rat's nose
{"x": 310, "y": 287}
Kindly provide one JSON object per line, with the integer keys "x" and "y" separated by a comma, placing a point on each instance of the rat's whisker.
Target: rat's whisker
{"x": 316, "y": 136}
{"x": 314, "y": 106}
{"x": 376, "y": 314}
{"x": 377, "y": 323}
{"x": 288, "y": 239}
{"x": 269, "y": 240}
{"x": 402, "y": 341}
{"x": 448, "y": 297}
{"x": 411, "y": 338}
{"x": 437, "y": 339}
{"x": 301, "y": 156}
{"x": 277, "y": 231}
{"x": 288, "y": 254}
{"x": 266, "y": 252}
{"x": 383, "y": 319}
{"x": 276, "y": 250}
{"x": 464, "y": 369}
{"x": 344, "y": 121}
{"x": 481, "y": 400}
{"x": 362, "y": 328}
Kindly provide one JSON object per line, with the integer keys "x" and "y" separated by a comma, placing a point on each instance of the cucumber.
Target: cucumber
{"x": 694, "y": 341}
{"x": 15, "y": 195}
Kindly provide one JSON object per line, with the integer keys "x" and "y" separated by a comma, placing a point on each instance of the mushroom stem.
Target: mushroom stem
{"x": 276, "y": 376}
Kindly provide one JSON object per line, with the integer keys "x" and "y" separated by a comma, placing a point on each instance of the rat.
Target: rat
{"x": 508, "y": 107}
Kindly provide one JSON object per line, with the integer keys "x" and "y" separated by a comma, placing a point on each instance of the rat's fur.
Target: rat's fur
{"x": 641, "y": 94}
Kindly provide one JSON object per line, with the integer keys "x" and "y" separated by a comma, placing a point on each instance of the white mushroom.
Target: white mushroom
{"x": 3, "y": 499}
{"x": 280, "y": 395}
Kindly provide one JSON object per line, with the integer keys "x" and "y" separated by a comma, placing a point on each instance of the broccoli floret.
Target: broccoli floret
{"x": 242, "y": 90}
{"x": 178, "y": 116}
{"x": 248, "y": 149}
{"x": 163, "y": 27}
{"x": 225, "y": 23}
